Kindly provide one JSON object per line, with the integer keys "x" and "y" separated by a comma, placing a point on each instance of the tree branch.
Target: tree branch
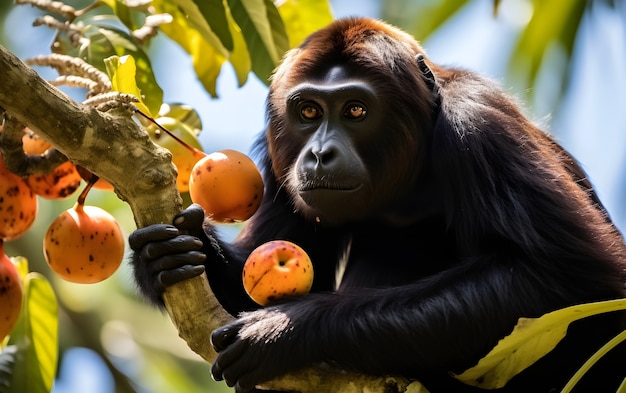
{"x": 114, "y": 147}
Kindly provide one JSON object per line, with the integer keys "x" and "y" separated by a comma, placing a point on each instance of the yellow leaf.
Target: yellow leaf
{"x": 303, "y": 17}
{"x": 122, "y": 73}
{"x": 194, "y": 35}
{"x": 531, "y": 339}
{"x": 239, "y": 57}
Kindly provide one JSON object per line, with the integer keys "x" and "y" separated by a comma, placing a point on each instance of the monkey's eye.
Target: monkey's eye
{"x": 310, "y": 112}
{"x": 355, "y": 111}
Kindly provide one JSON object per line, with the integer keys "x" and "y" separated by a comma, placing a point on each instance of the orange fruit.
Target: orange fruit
{"x": 10, "y": 294}
{"x": 228, "y": 185}
{"x": 18, "y": 205}
{"x": 84, "y": 244}
{"x": 277, "y": 269}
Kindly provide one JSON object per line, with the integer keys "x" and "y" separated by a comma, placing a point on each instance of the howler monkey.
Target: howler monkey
{"x": 435, "y": 213}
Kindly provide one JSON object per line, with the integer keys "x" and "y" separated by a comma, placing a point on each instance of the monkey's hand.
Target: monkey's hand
{"x": 256, "y": 348}
{"x": 167, "y": 254}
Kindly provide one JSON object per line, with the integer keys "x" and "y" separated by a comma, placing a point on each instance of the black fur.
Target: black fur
{"x": 469, "y": 218}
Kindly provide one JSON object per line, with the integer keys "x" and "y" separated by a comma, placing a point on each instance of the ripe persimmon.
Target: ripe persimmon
{"x": 18, "y": 204}
{"x": 277, "y": 269}
{"x": 62, "y": 182}
{"x": 84, "y": 244}
{"x": 10, "y": 294}
{"x": 228, "y": 185}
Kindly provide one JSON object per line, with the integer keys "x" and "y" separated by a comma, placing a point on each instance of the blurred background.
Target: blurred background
{"x": 111, "y": 341}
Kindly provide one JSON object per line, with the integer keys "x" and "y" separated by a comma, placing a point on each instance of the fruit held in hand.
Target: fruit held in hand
{"x": 228, "y": 185}
{"x": 10, "y": 294}
{"x": 18, "y": 205}
{"x": 277, "y": 269}
{"x": 84, "y": 244}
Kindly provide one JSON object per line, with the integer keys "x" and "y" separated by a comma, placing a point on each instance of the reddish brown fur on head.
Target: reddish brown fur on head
{"x": 371, "y": 50}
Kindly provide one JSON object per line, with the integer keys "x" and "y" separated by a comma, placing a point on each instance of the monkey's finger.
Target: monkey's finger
{"x": 249, "y": 379}
{"x": 240, "y": 389}
{"x": 167, "y": 278}
{"x": 152, "y": 233}
{"x": 176, "y": 261}
{"x": 240, "y": 367}
{"x": 221, "y": 369}
{"x": 190, "y": 219}
{"x": 178, "y": 245}
{"x": 224, "y": 336}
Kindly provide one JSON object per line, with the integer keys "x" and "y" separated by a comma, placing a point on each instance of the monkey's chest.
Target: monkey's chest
{"x": 396, "y": 258}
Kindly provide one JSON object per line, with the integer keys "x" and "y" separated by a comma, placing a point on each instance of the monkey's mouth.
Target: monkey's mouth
{"x": 321, "y": 185}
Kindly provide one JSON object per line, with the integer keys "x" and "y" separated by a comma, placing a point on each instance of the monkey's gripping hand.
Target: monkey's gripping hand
{"x": 167, "y": 254}
{"x": 262, "y": 345}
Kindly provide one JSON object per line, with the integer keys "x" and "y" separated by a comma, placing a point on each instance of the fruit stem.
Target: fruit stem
{"x": 83, "y": 194}
{"x": 170, "y": 133}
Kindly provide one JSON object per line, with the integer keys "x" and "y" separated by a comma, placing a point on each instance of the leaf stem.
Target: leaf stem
{"x": 170, "y": 133}
{"x": 592, "y": 360}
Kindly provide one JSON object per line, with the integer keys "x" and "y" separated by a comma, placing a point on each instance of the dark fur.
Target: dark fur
{"x": 476, "y": 218}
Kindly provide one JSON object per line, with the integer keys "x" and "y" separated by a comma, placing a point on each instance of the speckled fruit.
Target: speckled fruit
{"x": 18, "y": 205}
{"x": 62, "y": 182}
{"x": 277, "y": 269}
{"x": 33, "y": 144}
{"x": 10, "y": 294}
{"x": 84, "y": 244}
{"x": 228, "y": 185}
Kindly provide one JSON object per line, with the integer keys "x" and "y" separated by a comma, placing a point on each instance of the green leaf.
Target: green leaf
{"x": 121, "y": 71}
{"x": 191, "y": 31}
{"x": 214, "y": 12}
{"x": 123, "y": 45}
{"x": 264, "y": 33}
{"x": 553, "y": 21}
{"x": 185, "y": 114}
{"x": 121, "y": 10}
{"x": 303, "y": 17}
{"x": 531, "y": 339}
{"x": 239, "y": 57}
{"x": 423, "y": 18}
{"x": 101, "y": 42}
{"x": 36, "y": 337}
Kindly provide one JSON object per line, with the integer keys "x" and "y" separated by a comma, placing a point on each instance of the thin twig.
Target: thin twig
{"x": 57, "y": 7}
{"x": 69, "y": 65}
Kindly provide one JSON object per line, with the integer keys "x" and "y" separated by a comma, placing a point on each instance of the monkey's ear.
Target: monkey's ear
{"x": 427, "y": 74}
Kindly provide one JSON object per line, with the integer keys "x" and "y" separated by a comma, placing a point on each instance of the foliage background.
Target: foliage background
{"x": 111, "y": 341}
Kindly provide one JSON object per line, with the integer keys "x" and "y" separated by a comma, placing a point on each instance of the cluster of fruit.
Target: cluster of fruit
{"x": 84, "y": 244}
{"x": 229, "y": 187}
